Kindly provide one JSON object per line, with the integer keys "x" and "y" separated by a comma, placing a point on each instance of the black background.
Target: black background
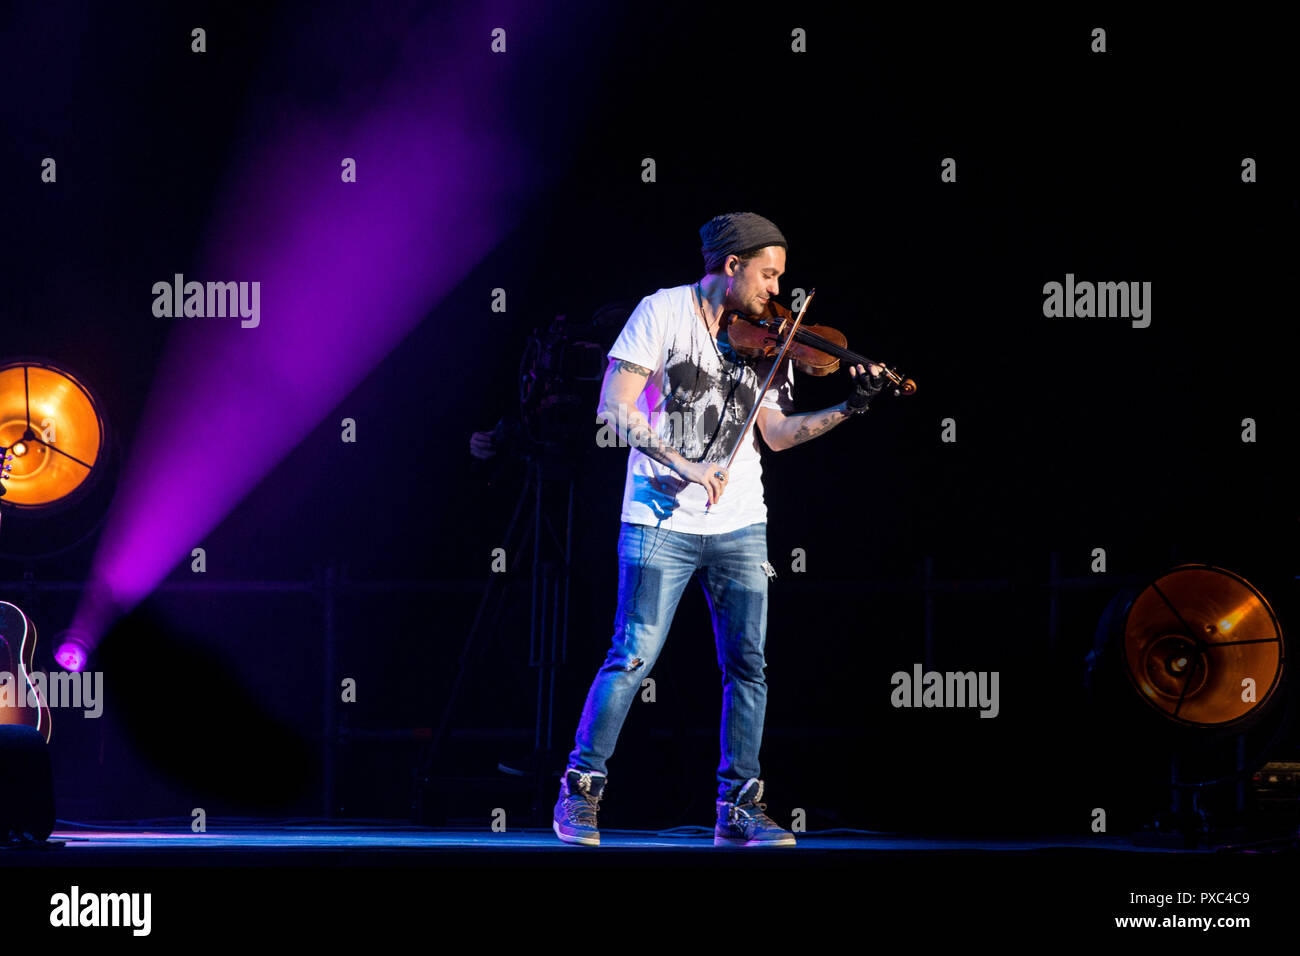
{"x": 1073, "y": 434}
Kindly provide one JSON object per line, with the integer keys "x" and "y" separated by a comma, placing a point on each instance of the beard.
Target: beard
{"x": 751, "y": 304}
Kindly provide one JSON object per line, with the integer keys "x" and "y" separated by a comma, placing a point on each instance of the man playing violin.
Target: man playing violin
{"x": 679, "y": 396}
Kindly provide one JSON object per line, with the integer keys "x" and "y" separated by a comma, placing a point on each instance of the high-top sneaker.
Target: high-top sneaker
{"x": 575, "y": 810}
{"x": 743, "y": 822}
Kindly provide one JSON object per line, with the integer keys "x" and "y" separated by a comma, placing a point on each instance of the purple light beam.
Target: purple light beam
{"x": 346, "y": 271}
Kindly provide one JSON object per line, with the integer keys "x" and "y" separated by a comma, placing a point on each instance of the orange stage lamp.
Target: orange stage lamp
{"x": 52, "y": 436}
{"x": 1203, "y": 648}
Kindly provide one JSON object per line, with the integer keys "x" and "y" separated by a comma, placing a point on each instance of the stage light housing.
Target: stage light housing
{"x": 52, "y": 435}
{"x": 72, "y": 650}
{"x": 1203, "y": 648}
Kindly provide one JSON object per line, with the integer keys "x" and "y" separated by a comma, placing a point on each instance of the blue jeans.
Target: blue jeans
{"x": 654, "y": 566}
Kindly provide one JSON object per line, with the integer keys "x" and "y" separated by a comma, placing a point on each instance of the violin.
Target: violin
{"x": 815, "y": 350}
{"x": 775, "y": 333}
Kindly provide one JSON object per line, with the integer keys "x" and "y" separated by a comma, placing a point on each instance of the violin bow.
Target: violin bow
{"x": 776, "y": 364}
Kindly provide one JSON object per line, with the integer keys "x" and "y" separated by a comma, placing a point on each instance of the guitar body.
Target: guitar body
{"x": 20, "y": 702}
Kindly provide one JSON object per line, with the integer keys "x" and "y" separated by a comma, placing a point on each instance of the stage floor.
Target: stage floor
{"x": 349, "y": 845}
{"x": 343, "y": 880}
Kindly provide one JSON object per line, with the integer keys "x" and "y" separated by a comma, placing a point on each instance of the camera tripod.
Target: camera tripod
{"x": 549, "y": 481}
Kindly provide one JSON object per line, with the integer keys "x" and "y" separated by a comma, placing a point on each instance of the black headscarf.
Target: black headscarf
{"x": 735, "y": 232}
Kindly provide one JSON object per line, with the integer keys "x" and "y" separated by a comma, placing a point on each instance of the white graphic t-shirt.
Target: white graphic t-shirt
{"x": 697, "y": 399}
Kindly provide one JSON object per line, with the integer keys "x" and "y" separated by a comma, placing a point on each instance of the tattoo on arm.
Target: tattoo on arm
{"x": 640, "y": 436}
{"x": 639, "y": 433}
{"x": 817, "y": 423}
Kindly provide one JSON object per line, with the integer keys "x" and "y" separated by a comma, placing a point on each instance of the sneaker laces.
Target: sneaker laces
{"x": 737, "y": 809}
{"x": 582, "y": 806}
{"x": 759, "y": 816}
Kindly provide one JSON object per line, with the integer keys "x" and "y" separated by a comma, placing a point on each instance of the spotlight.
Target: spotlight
{"x": 72, "y": 650}
{"x": 1203, "y": 648}
{"x": 1190, "y": 681}
{"x": 52, "y": 435}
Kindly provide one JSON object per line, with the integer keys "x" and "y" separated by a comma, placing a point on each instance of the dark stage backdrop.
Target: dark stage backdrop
{"x": 1031, "y": 442}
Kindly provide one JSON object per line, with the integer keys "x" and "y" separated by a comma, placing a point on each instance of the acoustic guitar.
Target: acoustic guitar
{"x": 20, "y": 701}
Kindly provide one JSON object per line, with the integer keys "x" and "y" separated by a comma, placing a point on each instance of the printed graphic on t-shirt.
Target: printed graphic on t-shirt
{"x": 698, "y": 397}
{"x": 707, "y": 402}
